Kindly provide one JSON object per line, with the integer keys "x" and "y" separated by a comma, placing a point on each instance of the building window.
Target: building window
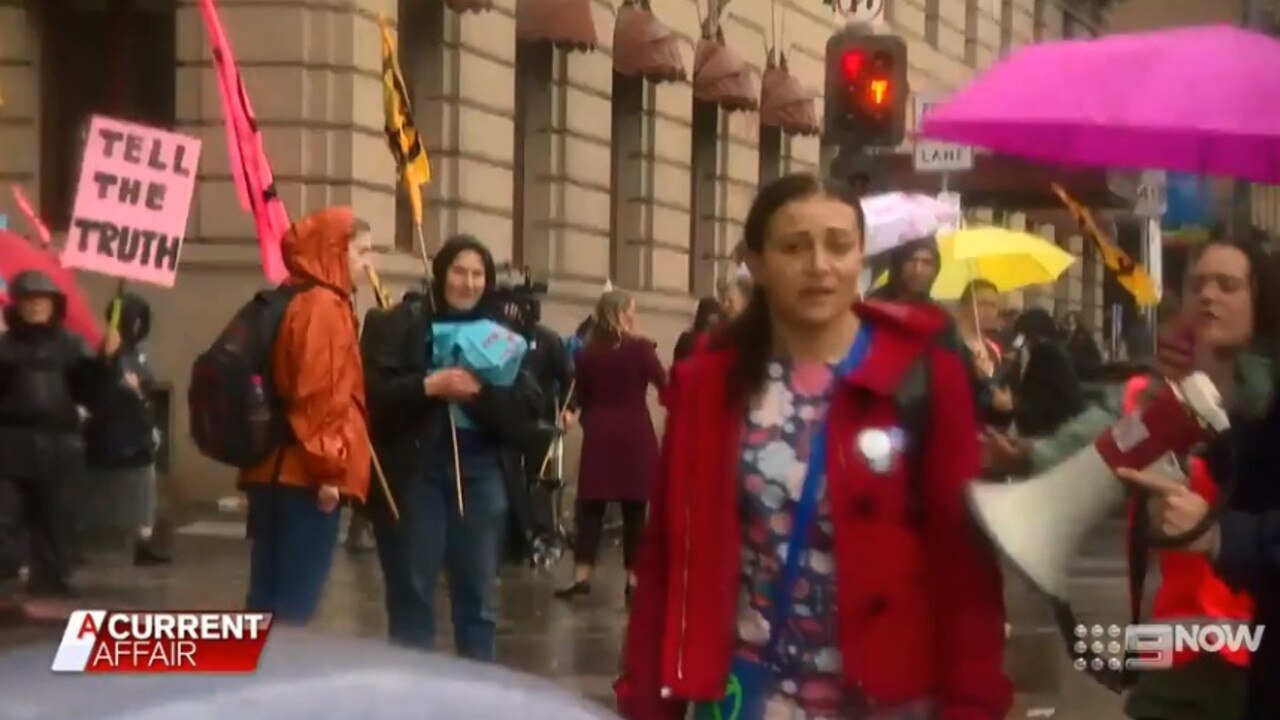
{"x": 420, "y": 45}
{"x": 115, "y": 57}
{"x": 770, "y": 150}
{"x": 931, "y": 20}
{"x": 531, "y": 199}
{"x": 702, "y": 198}
{"x": 1038, "y": 18}
{"x": 1006, "y": 25}
{"x": 626, "y": 186}
{"x": 971, "y": 32}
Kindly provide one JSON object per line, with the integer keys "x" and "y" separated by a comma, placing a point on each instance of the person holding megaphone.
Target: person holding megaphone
{"x": 1224, "y": 321}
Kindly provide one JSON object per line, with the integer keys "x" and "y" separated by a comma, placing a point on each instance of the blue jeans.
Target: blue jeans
{"x": 409, "y": 619}
{"x": 466, "y": 547}
{"x": 292, "y": 552}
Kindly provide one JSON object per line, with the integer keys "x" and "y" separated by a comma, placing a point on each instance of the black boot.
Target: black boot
{"x": 145, "y": 554}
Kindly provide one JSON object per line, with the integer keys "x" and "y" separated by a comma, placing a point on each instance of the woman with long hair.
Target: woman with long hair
{"x": 708, "y": 315}
{"x": 619, "y": 446}
{"x": 808, "y": 553}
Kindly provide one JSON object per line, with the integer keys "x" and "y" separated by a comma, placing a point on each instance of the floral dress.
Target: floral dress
{"x": 780, "y": 429}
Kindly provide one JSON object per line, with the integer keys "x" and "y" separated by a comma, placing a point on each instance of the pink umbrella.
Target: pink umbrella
{"x": 18, "y": 255}
{"x": 1199, "y": 100}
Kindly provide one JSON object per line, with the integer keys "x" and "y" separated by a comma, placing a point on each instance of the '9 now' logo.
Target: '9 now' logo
{"x": 1152, "y": 647}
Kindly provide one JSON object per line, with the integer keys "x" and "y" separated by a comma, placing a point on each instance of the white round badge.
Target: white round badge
{"x": 876, "y": 448}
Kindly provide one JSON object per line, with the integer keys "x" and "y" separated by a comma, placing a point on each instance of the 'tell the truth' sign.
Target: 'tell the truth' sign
{"x": 132, "y": 202}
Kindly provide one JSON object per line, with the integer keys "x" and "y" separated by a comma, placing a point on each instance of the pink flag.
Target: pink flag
{"x": 24, "y": 205}
{"x": 255, "y": 184}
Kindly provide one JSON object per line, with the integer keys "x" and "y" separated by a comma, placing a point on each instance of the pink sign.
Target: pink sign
{"x": 132, "y": 202}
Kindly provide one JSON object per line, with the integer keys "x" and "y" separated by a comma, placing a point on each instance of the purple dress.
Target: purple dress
{"x": 780, "y": 428}
{"x": 619, "y": 446}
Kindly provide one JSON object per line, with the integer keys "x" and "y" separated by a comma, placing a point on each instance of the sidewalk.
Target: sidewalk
{"x": 575, "y": 644}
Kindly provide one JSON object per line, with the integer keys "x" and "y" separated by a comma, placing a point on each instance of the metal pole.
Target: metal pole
{"x": 1242, "y": 195}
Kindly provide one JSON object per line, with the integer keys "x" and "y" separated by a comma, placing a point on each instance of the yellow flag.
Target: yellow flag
{"x": 1131, "y": 276}
{"x": 402, "y": 134}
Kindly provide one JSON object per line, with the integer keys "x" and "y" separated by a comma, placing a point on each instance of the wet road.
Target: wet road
{"x": 575, "y": 644}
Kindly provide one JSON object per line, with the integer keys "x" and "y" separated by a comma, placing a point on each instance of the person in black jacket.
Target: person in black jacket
{"x": 45, "y": 374}
{"x": 1046, "y": 389}
{"x": 121, "y": 437}
{"x": 409, "y": 404}
{"x": 1083, "y": 348}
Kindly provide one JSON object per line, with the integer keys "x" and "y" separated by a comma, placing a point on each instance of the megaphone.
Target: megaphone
{"x": 1039, "y": 524}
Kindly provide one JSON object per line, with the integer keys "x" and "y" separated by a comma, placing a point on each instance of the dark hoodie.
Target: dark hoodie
{"x": 121, "y": 428}
{"x": 898, "y": 257}
{"x": 45, "y": 373}
{"x": 409, "y": 429}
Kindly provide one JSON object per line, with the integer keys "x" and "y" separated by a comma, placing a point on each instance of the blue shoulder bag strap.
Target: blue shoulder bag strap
{"x": 807, "y": 506}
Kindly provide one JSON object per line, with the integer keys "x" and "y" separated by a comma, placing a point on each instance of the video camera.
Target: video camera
{"x": 521, "y": 301}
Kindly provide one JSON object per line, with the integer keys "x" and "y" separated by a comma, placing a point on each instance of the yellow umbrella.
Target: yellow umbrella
{"x": 1006, "y": 258}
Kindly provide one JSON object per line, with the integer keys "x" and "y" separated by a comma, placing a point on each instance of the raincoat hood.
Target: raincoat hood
{"x": 898, "y": 257}
{"x": 28, "y": 284}
{"x": 315, "y": 249}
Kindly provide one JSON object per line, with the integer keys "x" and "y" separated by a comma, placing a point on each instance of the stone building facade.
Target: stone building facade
{"x": 544, "y": 153}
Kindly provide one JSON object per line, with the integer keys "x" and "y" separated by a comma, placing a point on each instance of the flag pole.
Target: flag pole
{"x": 415, "y": 171}
{"x": 383, "y": 302}
{"x": 453, "y": 424}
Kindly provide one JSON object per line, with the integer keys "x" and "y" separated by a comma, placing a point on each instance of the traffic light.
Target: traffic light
{"x": 867, "y": 94}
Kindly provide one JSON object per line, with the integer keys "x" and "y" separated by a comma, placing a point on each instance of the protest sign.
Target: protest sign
{"x": 132, "y": 203}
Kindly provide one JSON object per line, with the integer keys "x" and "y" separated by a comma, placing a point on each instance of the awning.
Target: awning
{"x": 643, "y": 46}
{"x": 464, "y": 6}
{"x": 1000, "y": 181}
{"x": 567, "y": 24}
{"x": 721, "y": 76}
{"x": 784, "y": 102}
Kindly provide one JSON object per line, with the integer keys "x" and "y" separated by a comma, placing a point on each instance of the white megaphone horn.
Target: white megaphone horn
{"x": 1038, "y": 524}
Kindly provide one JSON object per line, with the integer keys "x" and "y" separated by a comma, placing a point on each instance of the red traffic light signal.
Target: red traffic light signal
{"x": 852, "y": 63}
{"x": 868, "y": 80}
{"x": 866, "y": 89}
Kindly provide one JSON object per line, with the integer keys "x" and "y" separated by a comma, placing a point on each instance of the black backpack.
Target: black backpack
{"x": 236, "y": 417}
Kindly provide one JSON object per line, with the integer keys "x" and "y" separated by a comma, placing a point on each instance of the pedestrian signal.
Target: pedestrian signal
{"x": 866, "y": 98}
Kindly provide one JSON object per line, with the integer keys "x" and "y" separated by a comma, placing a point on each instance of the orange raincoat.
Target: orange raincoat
{"x": 316, "y": 365}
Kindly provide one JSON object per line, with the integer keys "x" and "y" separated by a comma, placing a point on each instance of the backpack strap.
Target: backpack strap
{"x": 912, "y": 399}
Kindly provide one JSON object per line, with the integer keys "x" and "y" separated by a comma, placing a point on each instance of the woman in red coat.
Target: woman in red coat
{"x": 619, "y": 447}
{"x": 892, "y": 605}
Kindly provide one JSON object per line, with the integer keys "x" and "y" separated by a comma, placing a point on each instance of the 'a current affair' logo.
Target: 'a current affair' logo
{"x": 103, "y": 641}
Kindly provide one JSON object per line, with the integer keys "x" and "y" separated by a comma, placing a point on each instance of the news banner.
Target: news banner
{"x": 110, "y": 641}
{"x": 1154, "y": 646}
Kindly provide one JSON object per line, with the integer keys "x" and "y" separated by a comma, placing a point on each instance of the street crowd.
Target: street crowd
{"x": 797, "y": 540}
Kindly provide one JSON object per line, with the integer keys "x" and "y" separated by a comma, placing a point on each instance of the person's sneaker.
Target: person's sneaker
{"x": 359, "y": 538}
